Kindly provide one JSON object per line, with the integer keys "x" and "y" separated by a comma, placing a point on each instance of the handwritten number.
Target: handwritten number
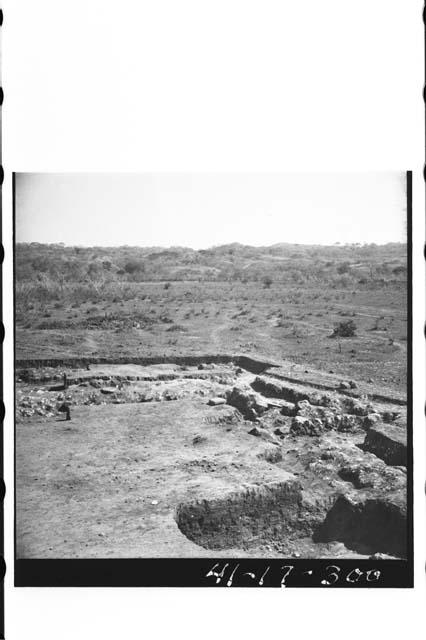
{"x": 229, "y": 583}
{"x": 286, "y": 574}
{"x": 357, "y": 576}
{"x": 218, "y": 576}
{"x": 333, "y": 574}
{"x": 261, "y": 579}
{"x": 376, "y": 575}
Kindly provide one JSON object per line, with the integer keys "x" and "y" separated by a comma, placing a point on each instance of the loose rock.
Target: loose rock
{"x": 214, "y": 402}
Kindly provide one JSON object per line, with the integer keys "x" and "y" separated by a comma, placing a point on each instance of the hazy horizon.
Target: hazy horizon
{"x": 216, "y": 246}
{"x": 203, "y": 211}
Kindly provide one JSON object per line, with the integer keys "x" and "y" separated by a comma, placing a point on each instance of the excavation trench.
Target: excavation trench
{"x": 254, "y": 365}
{"x": 370, "y": 526}
{"x": 243, "y": 519}
{"x": 277, "y": 515}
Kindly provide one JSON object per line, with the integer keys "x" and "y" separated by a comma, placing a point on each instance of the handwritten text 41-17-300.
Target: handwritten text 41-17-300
{"x": 232, "y": 575}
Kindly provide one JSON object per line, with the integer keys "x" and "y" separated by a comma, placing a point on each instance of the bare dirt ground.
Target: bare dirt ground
{"x": 215, "y": 459}
{"x": 214, "y": 409}
{"x": 279, "y": 322}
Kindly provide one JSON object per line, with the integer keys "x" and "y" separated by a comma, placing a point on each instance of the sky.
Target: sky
{"x": 204, "y": 210}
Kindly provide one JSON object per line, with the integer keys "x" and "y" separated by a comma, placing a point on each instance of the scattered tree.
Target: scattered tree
{"x": 133, "y": 266}
{"x": 345, "y": 329}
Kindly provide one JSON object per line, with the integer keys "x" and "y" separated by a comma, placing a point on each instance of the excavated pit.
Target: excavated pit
{"x": 259, "y": 515}
{"x": 371, "y": 526}
{"x": 279, "y": 515}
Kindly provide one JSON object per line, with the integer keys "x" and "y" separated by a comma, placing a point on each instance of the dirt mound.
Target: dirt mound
{"x": 277, "y": 389}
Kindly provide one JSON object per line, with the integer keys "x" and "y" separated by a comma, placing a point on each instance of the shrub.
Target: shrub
{"x": 176, "y": 327}
{"x": 40, "y": 264}
{"x": 267, "y": 281}
{"x": 343, "y": 268}
{"x": 93, "y": 268}
{"x": 134, "y": 266}
{"x": 344, "y": 329}
{"x": 399, "y": 270}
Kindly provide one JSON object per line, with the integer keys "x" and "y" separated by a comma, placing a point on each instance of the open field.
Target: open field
{"x": 217, "y": 408}
{"x": 195, "y": 318}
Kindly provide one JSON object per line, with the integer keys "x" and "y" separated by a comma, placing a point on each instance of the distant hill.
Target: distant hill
{"x": 339, "y": 265}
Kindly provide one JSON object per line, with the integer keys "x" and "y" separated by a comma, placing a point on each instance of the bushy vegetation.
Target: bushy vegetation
{"x": 56, "y": 272}
{"x": 345, "y": 329}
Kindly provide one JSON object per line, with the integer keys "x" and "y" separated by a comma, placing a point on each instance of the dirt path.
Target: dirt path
{"x": 377, "y": 312}
{"x": 215, "y": 334}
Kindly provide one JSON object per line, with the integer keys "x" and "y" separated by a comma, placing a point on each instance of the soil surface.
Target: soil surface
{"x": 281, "y": 322}
{"x": 228, "y": 456}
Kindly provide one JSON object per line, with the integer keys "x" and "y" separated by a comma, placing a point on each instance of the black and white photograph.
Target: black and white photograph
{"x": 213, "y": 314}
{"x": 212, "y": 366}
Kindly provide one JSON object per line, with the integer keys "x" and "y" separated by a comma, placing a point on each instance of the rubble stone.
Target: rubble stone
{"x": 214, "y": 402}
{"x": 302, "y": 425}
